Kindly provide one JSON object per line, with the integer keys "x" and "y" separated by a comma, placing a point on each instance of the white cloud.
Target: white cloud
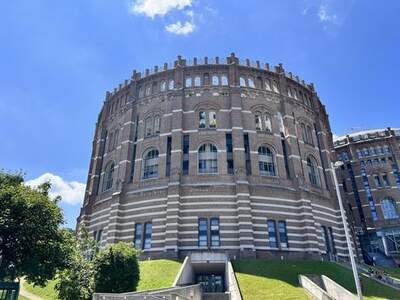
{"x": 71, "y": 192}
{"x": 179, "y": 28}
{"x": 325, "y": 16}
{"x": 152, "y": 8}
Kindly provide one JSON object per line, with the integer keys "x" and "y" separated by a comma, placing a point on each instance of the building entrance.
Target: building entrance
{"x": 211, "y": 283}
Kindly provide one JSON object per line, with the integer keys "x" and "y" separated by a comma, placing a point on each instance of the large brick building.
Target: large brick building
{"x": 218, "y": 155}
{"x": 371, "y": 185}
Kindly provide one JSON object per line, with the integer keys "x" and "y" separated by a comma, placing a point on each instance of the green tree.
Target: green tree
{"x": 32, "y": 243}
{"x": 76, "y": 281}
{"x": 116, "y": 269}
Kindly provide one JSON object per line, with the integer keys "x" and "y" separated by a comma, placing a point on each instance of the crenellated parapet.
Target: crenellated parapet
{"x": 181, "y": 62}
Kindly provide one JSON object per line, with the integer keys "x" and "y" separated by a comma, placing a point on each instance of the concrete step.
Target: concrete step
{"x": 215, "y": 296}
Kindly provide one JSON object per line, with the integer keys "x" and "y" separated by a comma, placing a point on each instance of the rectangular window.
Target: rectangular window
{"x": 148, "y": 229}
{"x": 133, "y": 161}
{"x": 212, "y": 119}
{"x": 229, "y": 153}
{"x": 377, "y": 180}
{"x": 285, "y": 155}
{"x": 138, "y": 236}
{"x": 148, "y": 126}
{"x": 202, "y": 235}
{"x": 185, "y": 150}
{"x": 168, "y": 158}
{"x": 247, "y": 153}
{"x": 272, "y": 236}
{"x": 332, "y": 240}
{"x": 385, "y": 180}
{"x": 326, "y": 239}
{"x": 214, "y": 232}
{"x": 283, "y": 238}
{"x": 202, "y": 119}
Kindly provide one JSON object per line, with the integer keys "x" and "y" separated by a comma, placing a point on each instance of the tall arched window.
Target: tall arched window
{"x": 251, "y": 82}
{"x": 148, "y": 126}
{"x": 188, "y": 81}
{"x": 266, "y": 161}
{"x": 312, "y": 171}
{"x": 242, "y": 81}
{"x": 224, "y": 80}
{"x": 389, "y": 209}
{"x": 150, "y": 164}
{"x": 267, "y": 85}
{"x": 208, "y": 159}
{"x": 171, "y": 84}
{"x": 275, "y": 87}
{"x": 108, "y": 177}
{"x": 215, "y": 80}
{"x": 163, "y": 86}
{"x": 197, "y": 81}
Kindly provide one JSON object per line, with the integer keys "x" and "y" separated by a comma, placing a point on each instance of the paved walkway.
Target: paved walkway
{"x": 26, "y": 294}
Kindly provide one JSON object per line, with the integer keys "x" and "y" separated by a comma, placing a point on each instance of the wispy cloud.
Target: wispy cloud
{"x": 152, "y": 8}
{"x": 71, "y": 192}
{"x": 326, "y": 16}
{"x": 179, "y": 28}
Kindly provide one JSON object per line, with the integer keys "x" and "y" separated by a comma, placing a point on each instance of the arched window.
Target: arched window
{"x": 150, "y": 164}
{"x": 148, "y": 90}
{"x": 171, "y": 84}
{"x": 266, "y": 164}
{"x": 208, "y": 159}
{"x": 312, "y": 171}
{"x": 294, "y": 94}
{"x": 251, "y": 82}
{"x": 267, "y": 85}
{"x": 141, "y": 91}
{"x": 242, "y": 81}
{"x": 197, "y": 81}
{"x": 188, "y": 81}
{"x": 108, "y": 177}
{"x": 275, "y": 87}
{"x": 163, "y": 86}
{"x": 215, "y": 80}
{"x": 289, "y": 92}
{"x": 224, "y": 80}
{"x": 389, "y": 209}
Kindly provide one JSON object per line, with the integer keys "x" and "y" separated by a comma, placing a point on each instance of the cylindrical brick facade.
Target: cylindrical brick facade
{"x": 214, "y": 155}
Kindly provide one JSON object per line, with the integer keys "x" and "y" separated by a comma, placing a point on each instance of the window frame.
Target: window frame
{"x": 207, "y": 161}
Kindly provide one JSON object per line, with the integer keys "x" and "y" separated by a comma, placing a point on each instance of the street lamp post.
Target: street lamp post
{"x": 346, "y": 232}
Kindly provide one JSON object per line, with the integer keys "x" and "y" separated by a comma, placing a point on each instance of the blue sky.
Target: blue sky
{"x": 58, "y": 58}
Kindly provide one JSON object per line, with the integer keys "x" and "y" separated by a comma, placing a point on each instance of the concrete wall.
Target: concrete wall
{"x": 336, "y": 291}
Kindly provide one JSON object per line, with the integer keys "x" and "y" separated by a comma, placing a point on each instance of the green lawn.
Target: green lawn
{"x": 154, "y": 274}
{"x": 22, "y": 298}
{"x": 47, "y": 292}
{"x": 270, "y": 279}
{"x": 394, "y": 272}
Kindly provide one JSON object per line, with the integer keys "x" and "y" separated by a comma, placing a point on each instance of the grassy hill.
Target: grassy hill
{"x": 154, "y": 274}
{"x": 271, "y": 279}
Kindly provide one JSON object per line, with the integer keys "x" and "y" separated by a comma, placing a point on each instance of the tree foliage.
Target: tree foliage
{"x": 116, "y": 269}
{"x": 76, "y": 281}
{"x": 32, "y": 243}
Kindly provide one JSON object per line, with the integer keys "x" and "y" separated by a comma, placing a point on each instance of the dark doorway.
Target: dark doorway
{"x": 211, "y": 283}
